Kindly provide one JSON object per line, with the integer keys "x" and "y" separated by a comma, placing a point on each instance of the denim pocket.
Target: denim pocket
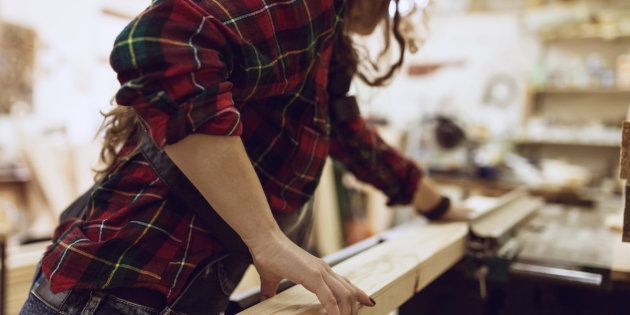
{"x": 115, "y": 305}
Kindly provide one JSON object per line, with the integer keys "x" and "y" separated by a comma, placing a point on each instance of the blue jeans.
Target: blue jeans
{"x": 208, "y": 292}
{"x": 42, "y": 301}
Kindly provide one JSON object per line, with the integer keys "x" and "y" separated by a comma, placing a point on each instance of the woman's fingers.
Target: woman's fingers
{"x": 343, "y": 293}
{"x": 361, "y": 296}
{"x": 354, "y": 303}
{"x": 351, "y": 289}
{"x": 327, "y": 299}
{"x": 268, "y": 286}
{"x": 337, "y": 295}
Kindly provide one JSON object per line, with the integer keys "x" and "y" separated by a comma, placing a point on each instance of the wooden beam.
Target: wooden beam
{"x": 327, "y": 222}
{"x": 483, "y": 205}
{"x": 21, "y": 264}
{"x": 509, "y": 213}
{"x": 391, "y": 272}
{"x": 50, "y": 164}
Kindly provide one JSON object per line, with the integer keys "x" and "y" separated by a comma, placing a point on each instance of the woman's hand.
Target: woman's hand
{"x": 456, "y": 213}
{"x": 276, "y": 257}
{"x": 427, "y": 197}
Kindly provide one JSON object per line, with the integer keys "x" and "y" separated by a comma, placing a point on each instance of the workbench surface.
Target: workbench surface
{"x": 576, "y": 237}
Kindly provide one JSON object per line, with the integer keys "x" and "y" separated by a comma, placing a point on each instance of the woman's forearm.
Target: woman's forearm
{"x": 220, "y": 169}
{"x": 426, "y": 196}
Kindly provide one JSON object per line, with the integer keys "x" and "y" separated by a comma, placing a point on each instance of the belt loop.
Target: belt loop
{"x": 93, "y": 302}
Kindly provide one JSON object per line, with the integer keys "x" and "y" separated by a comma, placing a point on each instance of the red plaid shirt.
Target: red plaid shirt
{"x": 250, "y": 68}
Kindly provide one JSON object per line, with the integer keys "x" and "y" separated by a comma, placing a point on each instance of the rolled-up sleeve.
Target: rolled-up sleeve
{"x": 171, "y": 63}
{"x": 359, "y": 147}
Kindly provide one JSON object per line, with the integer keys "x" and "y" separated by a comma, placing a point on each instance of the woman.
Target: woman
{"x": 229, "y": 109}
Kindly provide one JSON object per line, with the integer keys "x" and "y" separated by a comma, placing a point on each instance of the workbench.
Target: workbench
{"x": 394, "y": 266}
{"x": 569, "y": 232}
{"x": 569, "y": 262}
{"x": 532, "y": 241}
{"x": 573, "y": 238}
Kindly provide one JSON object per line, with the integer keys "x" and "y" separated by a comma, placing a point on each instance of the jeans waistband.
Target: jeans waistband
{"x": 71, "y": 301}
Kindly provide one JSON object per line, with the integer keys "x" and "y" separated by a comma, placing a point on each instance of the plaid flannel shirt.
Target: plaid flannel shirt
{"x": 251, "y": 68}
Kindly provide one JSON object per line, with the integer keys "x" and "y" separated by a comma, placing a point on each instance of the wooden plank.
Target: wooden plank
{"x": 21, "y": 266}
{"x": 483, "y": 205}
{"x": 496, "y": 223}
{"x": 390, "y": 272}
{"x": 326, "y": 221}
{"x": 51, "y": 166}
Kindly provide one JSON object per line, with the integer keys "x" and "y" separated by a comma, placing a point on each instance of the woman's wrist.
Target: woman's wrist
{"x": 258, "y": 242}
{"x": 426, "y": 197}
{"x": 438, "y": 212}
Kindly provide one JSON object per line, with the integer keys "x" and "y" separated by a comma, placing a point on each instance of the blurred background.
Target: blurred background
{"x": 503, "y": 94}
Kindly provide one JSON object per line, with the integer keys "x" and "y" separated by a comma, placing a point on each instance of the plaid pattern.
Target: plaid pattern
{"x": 371, "y": 160}
{"x": 257, "y": 69}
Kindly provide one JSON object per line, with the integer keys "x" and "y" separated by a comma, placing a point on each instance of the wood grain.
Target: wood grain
{"x": 390, "y": 272}
{"x": 326, "y": 221}
{"x": 497, "y": 222}
{"x": 21, "y": 265}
